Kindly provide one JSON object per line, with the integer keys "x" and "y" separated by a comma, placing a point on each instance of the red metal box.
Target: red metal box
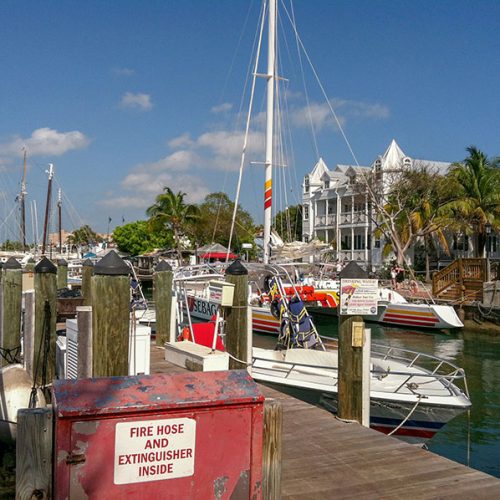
{"x": 183, "y": 436}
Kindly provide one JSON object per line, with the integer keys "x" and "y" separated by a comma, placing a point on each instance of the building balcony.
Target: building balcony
{"x": 356, "y": 218}
{"x": 325, "y": 220}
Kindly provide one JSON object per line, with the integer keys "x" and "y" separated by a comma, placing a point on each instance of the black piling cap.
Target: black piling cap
{"x": 88, "y": 263}
{"x": 45, "y": 266}
{"x": 353, "y": 271}
{"x": 237, "y": 269}
{"x": 111, "y": 265}
{"x": 62, "y": 262}
{"x": 163, "y": 265}
{"x": 12, "y": 263}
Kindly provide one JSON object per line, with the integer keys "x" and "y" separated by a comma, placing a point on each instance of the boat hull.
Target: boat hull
{"x": 427, "y": 316}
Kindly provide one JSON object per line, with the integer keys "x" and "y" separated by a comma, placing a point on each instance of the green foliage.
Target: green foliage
{"x": 171, "y": 212}
{"x": 214, "y": 223}
{"x": 12, "y": 246}
{"x": 84, "y": 236}
{"x": 137, "y": 238}
{"x": 476, "y": 183}
{"x": 288, "y": 223}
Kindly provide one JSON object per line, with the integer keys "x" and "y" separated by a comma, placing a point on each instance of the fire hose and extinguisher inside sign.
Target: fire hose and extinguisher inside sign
{"x": 152, "y": 450}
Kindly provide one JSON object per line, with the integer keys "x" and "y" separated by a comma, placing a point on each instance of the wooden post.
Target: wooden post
{"x": 34, "y": 453}
{"x": 350, "y": 369}
{"x": 110, "y": 317}
{"x": 87, "y": 270}
{"x": 162, "y": 295}
{"x": 10, "y": 305}
{"x": 62, "y": 274}
{"x": 272, "y": 450}
{"x": 29, "y": 331}
{"x": 29, "y": 275}
{"x": 45, "y": 322}
{"x": 84, "y": 324}
{"x": 236, "y": 316}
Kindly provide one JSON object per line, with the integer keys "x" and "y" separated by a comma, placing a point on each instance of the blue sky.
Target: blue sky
{"x": 125, "y": 97}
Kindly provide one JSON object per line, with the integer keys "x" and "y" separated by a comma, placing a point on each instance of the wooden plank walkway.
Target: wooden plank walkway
{"x": 324, "y": 458}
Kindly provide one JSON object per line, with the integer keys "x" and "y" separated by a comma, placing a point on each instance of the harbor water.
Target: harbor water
{"x": 472, "y": 438}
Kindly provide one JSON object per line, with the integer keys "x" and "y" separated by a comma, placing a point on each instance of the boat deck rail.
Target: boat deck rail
{"x": 411, "y": 380}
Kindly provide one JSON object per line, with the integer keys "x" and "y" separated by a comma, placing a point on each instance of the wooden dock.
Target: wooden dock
{"x": 324, "y": 458}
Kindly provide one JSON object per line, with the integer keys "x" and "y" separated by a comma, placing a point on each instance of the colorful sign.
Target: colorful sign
{"x": 358, "y": 296}
{"x": 150, "y": 450}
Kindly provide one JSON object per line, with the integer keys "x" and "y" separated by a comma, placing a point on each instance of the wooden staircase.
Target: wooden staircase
{"x": 462, "y": 280}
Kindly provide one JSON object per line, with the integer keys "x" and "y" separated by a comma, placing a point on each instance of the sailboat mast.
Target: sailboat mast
{"x": 59, "y": 218}
{"x": 268, "y": 186}
{"x": 22, "y": 197}
{"x": 50, "y": 172}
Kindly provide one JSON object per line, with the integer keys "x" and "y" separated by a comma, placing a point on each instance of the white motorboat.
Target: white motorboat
{"x": 408, "y": 400}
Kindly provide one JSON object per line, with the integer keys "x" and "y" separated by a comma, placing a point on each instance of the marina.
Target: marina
{"x": 327, "y": 458}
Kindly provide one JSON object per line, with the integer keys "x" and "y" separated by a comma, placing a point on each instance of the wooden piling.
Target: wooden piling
{"x": 272, "y": 449}
{"x": 29, "y": 331}
{"x": 162, "y": 296}
{"x": 34, "y": 453}
{"x": 62, "y": 274}
{"x": 84, "y": 322}
{"x": 45, "y": 322}
{"x": 350, "y": 385}
{"x": 87, "y": 270}
{"x": 237, "y": 318}
{"x": 10, "y": 305}
{"x": 110, "y": 293}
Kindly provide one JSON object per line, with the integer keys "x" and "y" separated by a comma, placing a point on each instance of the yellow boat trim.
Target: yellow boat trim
{"x": 390, "y": 310}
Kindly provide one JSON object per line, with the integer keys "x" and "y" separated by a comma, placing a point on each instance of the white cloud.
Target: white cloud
{"x": 123, "y": 71}
{"x": 222, "y": 108}
{"x": 136, "y": 101}
{"x": 321, "y": 115}
{"x": 45, "y": 142}
{"x": 183, "y": 141}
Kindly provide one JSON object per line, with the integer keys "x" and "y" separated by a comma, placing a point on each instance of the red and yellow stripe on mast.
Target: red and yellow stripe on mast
{"x": 268, "y": 194}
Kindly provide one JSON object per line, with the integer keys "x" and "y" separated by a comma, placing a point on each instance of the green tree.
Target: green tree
{"x": 409, "y": 208}
{"x": 288, "y": 223}
{"x": 171, "y": 212}
{"x": 137, "y": 238}
{"x": 85, "y": 235}
{"x": 477, "y": 186}
{"x": 12, "y": 246}
{"x": 214, "y": 222}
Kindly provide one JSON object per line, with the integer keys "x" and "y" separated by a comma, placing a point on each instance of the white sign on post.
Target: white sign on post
{"x": 358, "y": 296}
{"x": 150, "y": 450}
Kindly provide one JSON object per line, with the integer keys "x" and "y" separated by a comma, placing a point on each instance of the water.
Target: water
{"x": 471, "y": 439}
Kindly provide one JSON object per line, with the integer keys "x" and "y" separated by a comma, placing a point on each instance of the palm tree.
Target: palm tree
{"x": 170, "y": 211}
{"x": 478, "y": 194}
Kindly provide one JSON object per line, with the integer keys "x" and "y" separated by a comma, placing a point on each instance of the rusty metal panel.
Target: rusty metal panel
{"x": 196, "y": 435}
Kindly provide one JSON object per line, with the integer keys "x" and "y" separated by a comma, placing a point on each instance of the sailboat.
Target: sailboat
{"x": 412, "y": 395}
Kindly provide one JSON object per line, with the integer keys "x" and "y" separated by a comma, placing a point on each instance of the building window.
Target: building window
{"x": 359, "y": 242}
{"x": 306, "y": 238}
{"x": 461, "y": 242}
{"x": 306, "y": 212}
{"x": 347, "y": 208}
{"x": 306, "y": 184}
{"x": 377, "y": 243}
{"x": 327, "y": 184}
{"x": 346, "y": 242}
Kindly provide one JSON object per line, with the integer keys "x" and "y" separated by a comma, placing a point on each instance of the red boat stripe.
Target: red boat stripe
{"x": 406, "y": 322}
{"x": 404, "y": 431}
{"x": 408, "y": 316}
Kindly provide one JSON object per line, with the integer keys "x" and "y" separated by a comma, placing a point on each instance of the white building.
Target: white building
{"x": 337, "y": 208}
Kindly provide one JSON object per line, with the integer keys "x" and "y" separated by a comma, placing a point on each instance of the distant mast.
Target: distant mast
{"x": 50, "y": 172}
{"x": 271, "y": 77}
{"x": 22, "y": 198}
{"x": 59, "y": 218}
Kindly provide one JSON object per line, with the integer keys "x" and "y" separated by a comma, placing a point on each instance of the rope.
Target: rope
{"x": 238, "y": 360}
{"x": 407, "y": 416}
{"x": 11, "y": 355}
{"x": 44, "y": 348}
